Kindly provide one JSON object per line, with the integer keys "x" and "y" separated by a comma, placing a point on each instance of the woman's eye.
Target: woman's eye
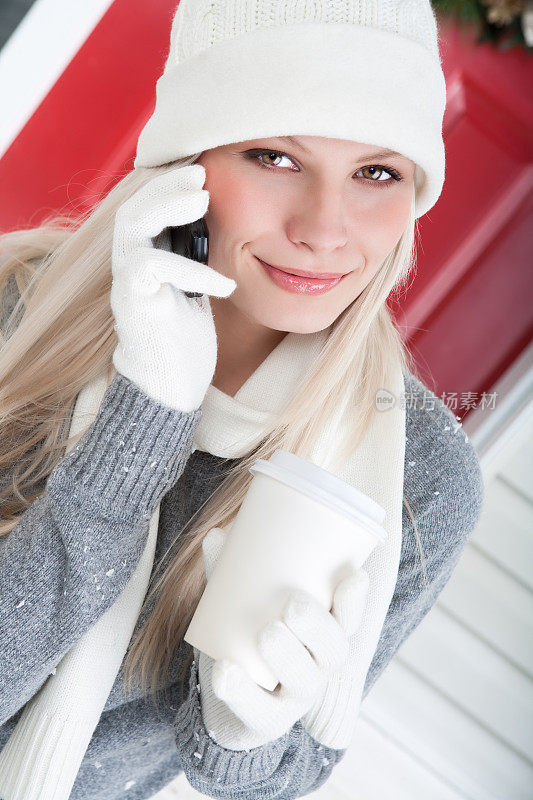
{"x": 270, "y": 154}
{"x": 372, "y": 170}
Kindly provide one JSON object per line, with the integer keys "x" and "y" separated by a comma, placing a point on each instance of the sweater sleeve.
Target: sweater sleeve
{"x": 72, "y": 552}
{"x": 286, "y": 768}
{"x": 443, "y": 486}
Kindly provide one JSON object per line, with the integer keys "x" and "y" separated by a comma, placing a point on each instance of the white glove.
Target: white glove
{"x": 167, "y": 341}
{"x": 333, "y": 717}
{"x": 237, "y": 712}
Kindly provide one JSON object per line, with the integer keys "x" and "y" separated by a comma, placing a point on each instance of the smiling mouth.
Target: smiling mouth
{"x": 301, "y": 274}
{"x": 297, "y": 284}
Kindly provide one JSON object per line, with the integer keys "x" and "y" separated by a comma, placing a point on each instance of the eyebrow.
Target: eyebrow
{"x": 367, "y": 156}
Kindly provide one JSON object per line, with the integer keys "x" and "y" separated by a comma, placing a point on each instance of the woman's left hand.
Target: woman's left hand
{"x": 307, "y": 648}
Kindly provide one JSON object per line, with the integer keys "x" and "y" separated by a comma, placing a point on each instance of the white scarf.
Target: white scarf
{"x": 42, "y": 757}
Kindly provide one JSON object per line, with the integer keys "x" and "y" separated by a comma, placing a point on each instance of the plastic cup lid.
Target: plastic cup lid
{"x": 318, "y": 483}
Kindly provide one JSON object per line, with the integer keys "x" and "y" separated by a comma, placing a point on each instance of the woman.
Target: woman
{"x": 294, "y": 177}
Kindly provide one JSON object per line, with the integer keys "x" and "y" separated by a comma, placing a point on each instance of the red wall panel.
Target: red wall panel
{"x": 84, "y": 133}
{"x": 469, "y": 312}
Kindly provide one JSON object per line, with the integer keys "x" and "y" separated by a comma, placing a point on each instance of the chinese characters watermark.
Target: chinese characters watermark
{"x": 455, "y": 401}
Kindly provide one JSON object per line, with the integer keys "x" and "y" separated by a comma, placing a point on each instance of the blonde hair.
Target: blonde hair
{"x": 60, "y": 336}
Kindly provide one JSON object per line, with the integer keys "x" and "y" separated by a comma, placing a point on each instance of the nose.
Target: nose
{"x": 319, "y": 219}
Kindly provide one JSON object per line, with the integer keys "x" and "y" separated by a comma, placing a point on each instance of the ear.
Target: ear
{"x": 212, "y": 545}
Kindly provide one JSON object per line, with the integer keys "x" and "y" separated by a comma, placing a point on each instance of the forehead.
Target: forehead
{"x": 307, "y": 143}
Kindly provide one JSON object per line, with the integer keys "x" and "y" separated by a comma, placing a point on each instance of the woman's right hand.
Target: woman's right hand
{"x": 166, "y": 341}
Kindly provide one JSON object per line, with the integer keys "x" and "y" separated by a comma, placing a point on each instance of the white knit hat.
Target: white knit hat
{"x": 364, "y": 70}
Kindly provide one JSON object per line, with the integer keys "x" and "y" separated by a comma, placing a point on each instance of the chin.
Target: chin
{"x": 294, "y": 323}
{"x": 309, "y": 328}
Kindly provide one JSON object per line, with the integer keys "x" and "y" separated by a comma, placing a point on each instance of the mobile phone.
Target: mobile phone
{"x": 191, "y": 241}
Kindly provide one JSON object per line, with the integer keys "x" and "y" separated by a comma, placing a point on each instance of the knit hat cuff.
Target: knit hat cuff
{"x": 321, "y": 79}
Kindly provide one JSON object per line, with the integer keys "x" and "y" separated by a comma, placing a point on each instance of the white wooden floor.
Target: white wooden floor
{"x": 451, "y": 718}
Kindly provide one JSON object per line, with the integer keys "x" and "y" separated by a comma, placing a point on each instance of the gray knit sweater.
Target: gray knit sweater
{"x": 73, "y": 551}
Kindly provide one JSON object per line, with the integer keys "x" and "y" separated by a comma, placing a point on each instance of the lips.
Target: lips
{"x": 301, "y": 274}
{"x": 296, "y": 284}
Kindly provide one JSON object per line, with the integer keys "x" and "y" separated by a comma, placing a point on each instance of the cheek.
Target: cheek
{"x": 383, "y": 230}
{"x": 235, "y": 207}
{"x": 397, "y": 218}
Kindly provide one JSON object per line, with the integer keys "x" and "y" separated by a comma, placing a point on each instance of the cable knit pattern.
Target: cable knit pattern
{"x": 203, "y": 23}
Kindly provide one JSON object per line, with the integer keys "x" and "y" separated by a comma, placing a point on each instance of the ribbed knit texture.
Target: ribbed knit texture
{"x": 235, "y": 768}
{"x": 288, "y": 763}
{"x": 31, "y": 761}
{"x": 119, "y": 462}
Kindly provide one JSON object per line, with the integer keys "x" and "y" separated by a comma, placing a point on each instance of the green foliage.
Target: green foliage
{"x": 468, "y": 12}
{"x": 464, "y": 10}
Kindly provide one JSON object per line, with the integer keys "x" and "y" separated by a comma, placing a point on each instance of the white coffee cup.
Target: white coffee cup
{"x": 298, "y": 527}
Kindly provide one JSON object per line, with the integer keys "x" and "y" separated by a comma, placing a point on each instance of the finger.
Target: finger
{"x": 184, "y": 273}
{"x": 349, "y": 601}
{"x": 317, "y": 629}
{"x": 290, "y": 662}
{"x": 165, "y": 186}
{"x": 140, "y": 226}
{"x": 191, "y": 176}
{"x": 212, "y": 545}
{"x": 243, "y": 696}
